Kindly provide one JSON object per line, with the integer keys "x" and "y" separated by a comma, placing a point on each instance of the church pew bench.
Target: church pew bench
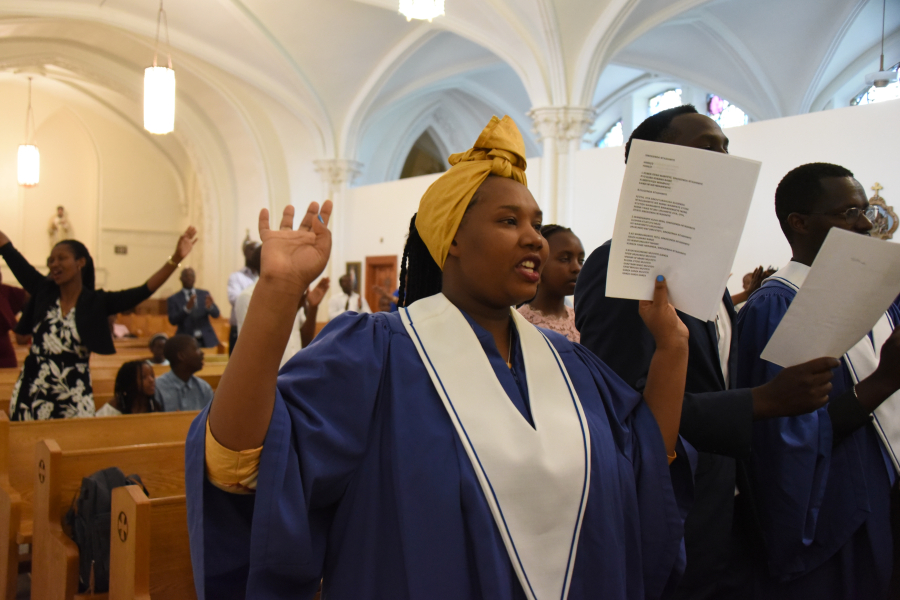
{"x": 17, "y": 444}
{"x": 58, "y": 475}
{"x": 150, "y": 555}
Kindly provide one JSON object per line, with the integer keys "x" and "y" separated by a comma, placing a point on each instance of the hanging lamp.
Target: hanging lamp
{"x": 29, "y": 164}
{"x": 882, "y": 78}
{"x": 421, "y": 9}
{"x": 159, "y": 86}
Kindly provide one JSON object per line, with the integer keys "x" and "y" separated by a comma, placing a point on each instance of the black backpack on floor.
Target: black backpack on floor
{"x": 88, "y": 522}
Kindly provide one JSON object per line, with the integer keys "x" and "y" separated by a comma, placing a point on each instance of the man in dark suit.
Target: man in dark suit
{"x": 190, "y": 309}
{"x": 716, "y": 417}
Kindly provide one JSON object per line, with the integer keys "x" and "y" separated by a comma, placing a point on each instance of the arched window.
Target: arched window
{"x": 424, "y": 158}
{"x": 613, "y": 137}
{"x": 724, "y": 112}
{"x": 875, "y": 94}
{"x": 667, "y": 99}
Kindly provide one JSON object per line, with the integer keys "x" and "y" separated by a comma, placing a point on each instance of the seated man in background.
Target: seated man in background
{"x": 157, "y": 347}
{"x": 180, "y": 389}
{"x": 347, "y": 299}
{"x": 823, "y": 481}
{"x": 190, "y": 310}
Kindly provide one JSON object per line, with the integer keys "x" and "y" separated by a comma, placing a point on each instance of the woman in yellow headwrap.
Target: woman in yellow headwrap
{"x": 450, "y": 450}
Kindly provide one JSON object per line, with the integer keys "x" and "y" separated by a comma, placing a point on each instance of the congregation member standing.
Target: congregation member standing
{"x": 190, "y": 309}
{"x": 346, "y": 299}
{"x": 68, "y": 318}
{"x": 823, "y": 481}
{"x": 12, "y": 301}
{"x": 238, "y": 282}
{"x": 180, "y": 389}
{"x": 410, "y": 455}
{"x": 718, "y": 415}
{"x": 548, "y": 308}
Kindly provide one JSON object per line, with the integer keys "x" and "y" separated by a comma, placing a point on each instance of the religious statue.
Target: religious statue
{"x": 60, "y": 227}
{"x": 885, "y": 222}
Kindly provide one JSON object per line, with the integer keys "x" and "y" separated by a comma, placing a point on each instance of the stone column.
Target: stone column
{"x": 337, "y": 174}
{"x": 560, "y": 130}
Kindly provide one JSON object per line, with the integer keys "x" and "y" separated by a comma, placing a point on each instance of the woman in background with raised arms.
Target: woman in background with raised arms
{"x": 450, "y": 450}
{"x": 70, "y": 322}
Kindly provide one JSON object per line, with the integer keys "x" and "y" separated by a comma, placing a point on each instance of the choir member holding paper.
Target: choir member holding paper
{"x": 448, "y": 450}
{"x": 823, "y": 481}
{"x": 718, "y": 413}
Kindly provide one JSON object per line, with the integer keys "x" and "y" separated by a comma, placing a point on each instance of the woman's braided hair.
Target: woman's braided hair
{"x": 548, "y": 230}
{"x": 420, "y": 276}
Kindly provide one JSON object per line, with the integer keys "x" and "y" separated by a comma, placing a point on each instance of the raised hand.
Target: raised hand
{"x": 295, "y": 257}
{"x": 795, "y": 390}
{"x": 661, "y": 319}
{"x": 317, "y": 294}
{"x": 185, "y": 244}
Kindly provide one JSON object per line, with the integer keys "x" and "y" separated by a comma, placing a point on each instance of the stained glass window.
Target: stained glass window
{"x": 668, "y": 99}
{"x": 613, "y": 137}
{"x": 724, "y": 112}
{"x": 874, "y": 94}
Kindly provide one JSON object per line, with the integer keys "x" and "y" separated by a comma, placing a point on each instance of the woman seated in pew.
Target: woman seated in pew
{"x": 69, "y": 322}
{"x": 447, "y": 450}
{"x": 157, "y": 347}
{"x": 135, "y": 391}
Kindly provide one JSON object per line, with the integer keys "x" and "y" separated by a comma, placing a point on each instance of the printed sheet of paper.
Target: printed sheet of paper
{"x": 681, "y": 214}
{"x": 852, "y": 282}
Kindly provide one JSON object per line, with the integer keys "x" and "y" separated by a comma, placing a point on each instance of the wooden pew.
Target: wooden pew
{"x": 58, "y": 475}
{"x": 149, "y": 552}
{"x": 17, "y": 443}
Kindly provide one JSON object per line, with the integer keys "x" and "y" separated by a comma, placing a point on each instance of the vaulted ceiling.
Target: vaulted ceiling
{"x": 357, "y": 81}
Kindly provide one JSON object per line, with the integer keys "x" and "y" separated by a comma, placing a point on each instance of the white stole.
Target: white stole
{"x": 862, "y": 360}
{"x": 535, "y": 479}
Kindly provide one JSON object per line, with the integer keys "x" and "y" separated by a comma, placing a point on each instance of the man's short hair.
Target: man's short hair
{"x": 654, "y": 128}
{"x": 800, "y": 190}
{"x": 174, "y": 346}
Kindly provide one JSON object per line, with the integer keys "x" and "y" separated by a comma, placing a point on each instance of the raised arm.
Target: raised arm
{"x": 667, "y": 376}
{"x": 291, "y": 260}
{"x": 313, "y": 300}
{"x": 27, "y": 276}
{"x": 182, "y": 249}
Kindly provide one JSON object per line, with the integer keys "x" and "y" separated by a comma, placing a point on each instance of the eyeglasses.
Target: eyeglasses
{"x": 852, "y": 214}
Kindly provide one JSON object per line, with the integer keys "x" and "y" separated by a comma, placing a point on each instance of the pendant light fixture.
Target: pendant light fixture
{"x": 882, "y": 78}
{"x": 29, "y": 164}
{"x": 421, "y": 9}
{"x": 159, "y": 86}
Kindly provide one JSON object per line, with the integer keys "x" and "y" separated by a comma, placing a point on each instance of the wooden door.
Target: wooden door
{"x": 380, "y": 270}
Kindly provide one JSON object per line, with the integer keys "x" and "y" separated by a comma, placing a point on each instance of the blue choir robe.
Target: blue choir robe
{"x": 824, "y": 510}
{"x": 364, "y": 482}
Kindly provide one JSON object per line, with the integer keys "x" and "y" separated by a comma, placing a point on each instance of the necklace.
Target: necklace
{"x": 509, "y": 349}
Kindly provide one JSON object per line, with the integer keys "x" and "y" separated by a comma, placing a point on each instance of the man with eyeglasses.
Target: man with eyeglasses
{"x": 824, "y": 485}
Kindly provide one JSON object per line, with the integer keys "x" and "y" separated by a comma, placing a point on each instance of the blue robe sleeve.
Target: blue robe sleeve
{"x": 274, "y": 542}
{"x": 791, "y": 455}
{"x": 662, "y": 493}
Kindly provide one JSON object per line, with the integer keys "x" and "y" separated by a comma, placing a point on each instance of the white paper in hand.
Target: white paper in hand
{"x": 852, "y": 282}
{"x": 681, "y": 214}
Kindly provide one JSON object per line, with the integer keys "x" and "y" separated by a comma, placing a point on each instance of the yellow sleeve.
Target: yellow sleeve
{"x": 230, "y": 471}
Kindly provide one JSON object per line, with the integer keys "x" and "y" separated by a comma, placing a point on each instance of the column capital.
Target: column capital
{"x": 562, "y": 123}
{"x": 337, "y": 172}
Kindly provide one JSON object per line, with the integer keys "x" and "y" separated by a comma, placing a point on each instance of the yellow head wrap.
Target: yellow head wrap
{"x": 499, "y": 150}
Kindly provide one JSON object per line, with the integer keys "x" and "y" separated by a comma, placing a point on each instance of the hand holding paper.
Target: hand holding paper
{"x": 681, "y": 213}
{"x": 850, "y": 285}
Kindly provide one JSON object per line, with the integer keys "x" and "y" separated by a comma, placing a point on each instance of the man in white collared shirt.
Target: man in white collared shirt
{"x": 346, "y": 300}
{"x": 238, "y": 282}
